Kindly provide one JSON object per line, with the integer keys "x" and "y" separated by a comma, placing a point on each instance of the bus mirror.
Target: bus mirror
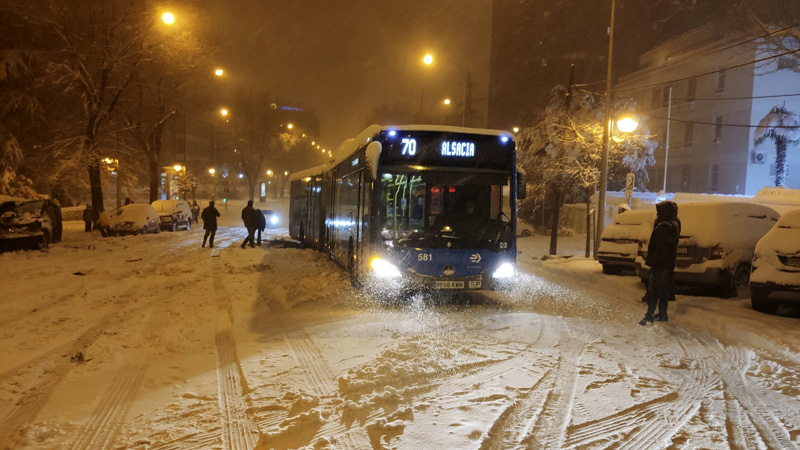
{"x": 521, "y": 186}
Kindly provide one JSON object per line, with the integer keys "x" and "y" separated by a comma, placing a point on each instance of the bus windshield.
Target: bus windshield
{"x": 433, "y": 209}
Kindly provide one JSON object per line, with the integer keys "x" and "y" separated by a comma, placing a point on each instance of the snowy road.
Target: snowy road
{"x": 152, "y": 342}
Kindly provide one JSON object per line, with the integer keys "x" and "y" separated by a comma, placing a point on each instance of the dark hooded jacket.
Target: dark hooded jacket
{"x": 663, "y": 246}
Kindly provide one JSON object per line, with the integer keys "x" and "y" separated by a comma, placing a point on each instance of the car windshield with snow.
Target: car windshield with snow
{"x": 136, "y": 218}
{"x": 775, "y": 278}
{"x": 619, "y": 243}
{"x": 716, "y": 244}
{"x": 22, "y": 224}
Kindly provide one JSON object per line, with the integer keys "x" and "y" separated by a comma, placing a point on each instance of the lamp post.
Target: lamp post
{"x": 601, "y": 198}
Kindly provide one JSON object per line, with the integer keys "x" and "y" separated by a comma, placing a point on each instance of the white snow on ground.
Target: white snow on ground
{"x": 151, "y": 342}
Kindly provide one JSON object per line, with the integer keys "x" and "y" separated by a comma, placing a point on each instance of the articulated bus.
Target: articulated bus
{"x": 415, "y": 207}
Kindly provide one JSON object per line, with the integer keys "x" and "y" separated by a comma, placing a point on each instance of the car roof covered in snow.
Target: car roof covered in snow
{"x": 730, "y": 224}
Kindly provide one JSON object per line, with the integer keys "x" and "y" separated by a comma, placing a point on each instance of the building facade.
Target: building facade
{"x": 703, "y": 94}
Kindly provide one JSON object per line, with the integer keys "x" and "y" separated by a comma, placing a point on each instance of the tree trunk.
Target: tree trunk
{"x": 96, "y": 185}
{"x": 556, "y": 190}
{"x": 780, "y": 161}
{"x": 154, "y": 180}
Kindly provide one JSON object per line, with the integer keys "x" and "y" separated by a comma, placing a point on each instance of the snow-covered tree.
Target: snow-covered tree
{"x": 782, "y": 127}
{"x": 92, "y": 54}
{"x": 562, "y": 152}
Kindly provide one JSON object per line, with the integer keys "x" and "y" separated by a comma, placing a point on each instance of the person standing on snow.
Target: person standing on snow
{"x": 209, "y": 217}
{"x": 261, "y": 224}
{"x": 103, "y": 224}
{"x": 249, "y": 219}
{"x": 661, "y": 253}
{"x": 87, "y": 218}
{"x": 195, "y": 211}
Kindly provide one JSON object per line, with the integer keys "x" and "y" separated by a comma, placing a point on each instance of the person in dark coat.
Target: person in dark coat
{"x": 209, "y": 216}
{"x": 249, "y": 219}
{"x": 88, "y": 215}
{"x": 661, "y": 253}
{"x": 53, "y": 210}
{"x": 261, "y": 224}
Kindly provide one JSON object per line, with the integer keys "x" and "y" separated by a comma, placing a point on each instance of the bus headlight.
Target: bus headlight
{"x": 506, "y": 270}
{"x": 384, "y": 269}
{"x": 273, "y": 220}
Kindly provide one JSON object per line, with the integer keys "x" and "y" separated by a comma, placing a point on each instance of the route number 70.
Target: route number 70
{"x": 409, "y": 146}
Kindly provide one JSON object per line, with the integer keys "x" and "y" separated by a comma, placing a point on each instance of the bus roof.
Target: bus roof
{"x": 317, "y": 170}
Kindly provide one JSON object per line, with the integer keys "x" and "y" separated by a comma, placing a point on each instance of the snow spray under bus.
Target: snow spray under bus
{"x": 415, "y": 207}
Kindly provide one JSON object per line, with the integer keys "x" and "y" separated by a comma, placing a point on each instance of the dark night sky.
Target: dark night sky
{"x": 345, "y": 58}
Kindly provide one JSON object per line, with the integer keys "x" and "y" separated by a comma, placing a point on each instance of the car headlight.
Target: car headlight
{"x": 273, "y": 220}
{"x": 384, "y": 269}
{"x": 506, "y": 270}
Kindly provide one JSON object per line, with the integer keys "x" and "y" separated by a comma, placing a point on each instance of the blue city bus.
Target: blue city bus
{"x": 415, "y": 207}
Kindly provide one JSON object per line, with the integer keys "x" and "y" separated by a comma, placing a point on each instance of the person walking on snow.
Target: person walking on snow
{"x": 661, "y": 253}
{"x": 209, "y": 217}
{"x": 249, "y": 219}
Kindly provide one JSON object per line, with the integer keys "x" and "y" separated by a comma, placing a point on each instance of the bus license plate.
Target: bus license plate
{"x": 449, "y": 285}
{"x": 794, "y": 262}
{"x": 475, "y": 284}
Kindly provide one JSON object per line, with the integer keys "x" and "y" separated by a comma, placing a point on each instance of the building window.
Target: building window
{"x": 665, "y": 97}
{"x": 787, "y": 62}
{"x": 717, "y": 129}
{"x": 688, "y": 135}
{"x": 691, "y": 89}
{"x": 655, "y": 100}
{"x": 720, "y": 81}
{"x": 544, "y": 62}
{"x": 714, "y": 178}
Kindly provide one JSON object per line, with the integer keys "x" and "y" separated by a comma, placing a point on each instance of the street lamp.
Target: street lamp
{"x": 224, "y": 112}
{"x": 218, "y": 72}
{"x": 177, "y": 167}
{"x": 447, "y": 101}
{"x": 516, "y": 129}
{"x": 168, "y": 18}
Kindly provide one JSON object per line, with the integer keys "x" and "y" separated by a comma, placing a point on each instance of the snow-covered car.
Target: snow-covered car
{"x": 136, "y": 218}
{"x": 716, "y": 245}
{"x": 173, "y": 214}
{"x": 524, "y": 229}
{"x": 271, "y": 218}
{"x": 775, "y": 277}
{"x": 22, "y": 224}
{"x": 619, "y": 243}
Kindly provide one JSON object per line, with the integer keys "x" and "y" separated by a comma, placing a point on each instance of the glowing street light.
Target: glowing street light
{"x": 290, "y": 126}
{"x": 269, "y": 173}
{"x": 218, "y": 72}
{"x": 168, "y": 18}
{"x": 428, "y": 59}
{"x": 212, "y": 171}
{"x": 223, "y": 111}
{"x": 516, "y": 129}
{"x": 177, "y": 167}
{"x": 286, "y": 173}
{"x": 627, "y": 124}
{"x": 447, "y": 101}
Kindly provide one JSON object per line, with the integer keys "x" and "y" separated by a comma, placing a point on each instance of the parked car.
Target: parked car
{"x": 22, "y": 224}
{"x": 619, "y": 243}
{"x": 775, "y": 277}
{"x": 272, "y": 218}
{"x": 716, "y": 244}
{"x": 174, "y": 214}
{"x": 136, "y": 218}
